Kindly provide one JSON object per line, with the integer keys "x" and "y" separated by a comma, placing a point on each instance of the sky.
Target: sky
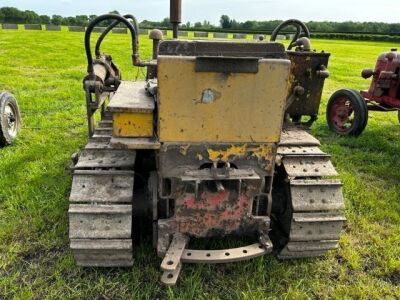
{"x": 211, "y": 10}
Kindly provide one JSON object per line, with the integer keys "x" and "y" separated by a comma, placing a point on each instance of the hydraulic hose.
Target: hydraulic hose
{"x": 102, "y": 18}
{"x": 111, "y": 27}
{"x": 300, "y": 26}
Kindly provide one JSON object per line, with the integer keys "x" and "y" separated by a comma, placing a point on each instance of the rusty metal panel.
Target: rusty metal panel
{"x": 175, "y": 160}
{"x": 217, "y": 213}
{"x": 305, "y": 67}
{"x": 221, "y": 107}
{"x": 100, "y": 221}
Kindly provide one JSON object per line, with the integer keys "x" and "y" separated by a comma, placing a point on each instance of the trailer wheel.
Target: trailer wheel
{"x": 10, "y": 118}
{"x": 347, "y": 112}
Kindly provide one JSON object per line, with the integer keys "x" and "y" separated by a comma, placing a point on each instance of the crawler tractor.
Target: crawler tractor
{"x": 213, "y": 143}
{"x": 347, "y": 112}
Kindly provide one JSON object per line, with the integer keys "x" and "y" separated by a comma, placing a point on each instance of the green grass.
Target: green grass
{"x": 45, "y": 69}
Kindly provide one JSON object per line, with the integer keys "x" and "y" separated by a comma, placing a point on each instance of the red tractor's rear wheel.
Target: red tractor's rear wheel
{"x": 347, "y": 112}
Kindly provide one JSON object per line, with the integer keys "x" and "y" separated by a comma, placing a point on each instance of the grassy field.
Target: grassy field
{"x": 45, "y": 69}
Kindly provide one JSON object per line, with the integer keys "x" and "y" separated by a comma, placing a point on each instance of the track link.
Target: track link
{"x": 315, "y": 215}
{"x": 100, "y": 211}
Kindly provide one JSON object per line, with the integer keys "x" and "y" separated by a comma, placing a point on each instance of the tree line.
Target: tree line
{"x": 14, "y": 15}
{"x": 325, "y": 26}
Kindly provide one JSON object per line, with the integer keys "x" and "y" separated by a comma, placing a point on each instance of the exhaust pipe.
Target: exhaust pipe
{"x": 175, "y": 15}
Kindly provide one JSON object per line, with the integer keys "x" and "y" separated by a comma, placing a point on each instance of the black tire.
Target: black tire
{"x": 364, "y": 106}
{"x": 350, "y": 99}
{"x": 10, "y": 118}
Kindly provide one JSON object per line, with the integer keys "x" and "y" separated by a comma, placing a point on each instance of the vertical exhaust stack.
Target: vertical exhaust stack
{"x": 175, "y": 15}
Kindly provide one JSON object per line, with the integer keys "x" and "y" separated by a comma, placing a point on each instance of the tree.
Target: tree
{"x": 44, "y": 19}
{"x": 31, "y": 17}
{"x": 235, "y": 24}
{"x": 69, "y": 21}
{"x": 225, "y": 22}
{"x": 57, "y": 20}
{"x": 197, "y": 25}
{"x": 165, "y": 23}
{"x": 13, "y": 15}
{"x": 92, "y": 17}
{"x": 81, "y": 20}
{"x": 250, "y": 25}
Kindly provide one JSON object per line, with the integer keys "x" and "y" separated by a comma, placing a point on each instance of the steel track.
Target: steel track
{"x": 100, "y": 211}
{"x": 315, "y": 215}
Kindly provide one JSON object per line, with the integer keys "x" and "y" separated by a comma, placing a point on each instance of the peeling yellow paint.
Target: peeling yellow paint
{"x": 259, "y": 151}
{"x": 132, "y": 125}
{"x": 239, "y": 108}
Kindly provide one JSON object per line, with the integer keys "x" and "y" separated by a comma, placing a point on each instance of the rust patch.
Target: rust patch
{"x": 213, "y": 212}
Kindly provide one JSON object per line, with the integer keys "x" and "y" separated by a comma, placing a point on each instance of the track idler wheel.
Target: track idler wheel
{"x": 347, "y": 112}
{"x": 10, "y": 119}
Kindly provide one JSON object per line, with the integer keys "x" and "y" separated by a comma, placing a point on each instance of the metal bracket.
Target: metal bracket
{"x": 177, "y": 254}
{"x": 171, "y": 264}
{"x": 225, "y": 255}
{"x": 171, "y": 277}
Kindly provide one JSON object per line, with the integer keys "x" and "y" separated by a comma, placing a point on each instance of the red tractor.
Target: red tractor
{"x": 347, "y": 111}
